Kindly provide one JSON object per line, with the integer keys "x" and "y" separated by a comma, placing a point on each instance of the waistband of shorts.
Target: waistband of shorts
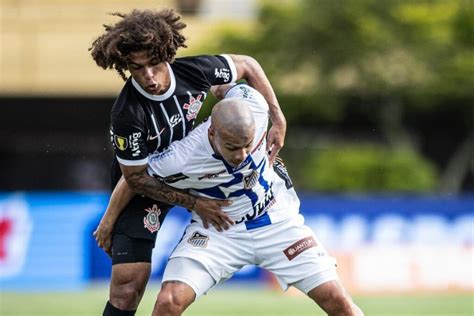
{"x": 260, "y": 221}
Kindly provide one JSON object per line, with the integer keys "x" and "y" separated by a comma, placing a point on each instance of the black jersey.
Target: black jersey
{"x": 142, "y": 124}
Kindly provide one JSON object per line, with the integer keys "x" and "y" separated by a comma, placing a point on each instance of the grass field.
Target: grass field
{"x": 235, "y": 302}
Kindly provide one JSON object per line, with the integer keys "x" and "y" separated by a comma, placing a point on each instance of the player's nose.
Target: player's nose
{"x": 240, "y": 156}
{"x": 148, "y": 72}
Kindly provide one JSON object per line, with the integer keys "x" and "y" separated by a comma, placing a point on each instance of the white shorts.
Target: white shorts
{"x": 288, "y": 249}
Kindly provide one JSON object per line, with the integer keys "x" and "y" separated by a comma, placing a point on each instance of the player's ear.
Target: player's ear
{"x": 211, "y": 131}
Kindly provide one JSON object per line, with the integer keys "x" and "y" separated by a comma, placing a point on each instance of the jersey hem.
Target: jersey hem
{"x": 140, "y": 162}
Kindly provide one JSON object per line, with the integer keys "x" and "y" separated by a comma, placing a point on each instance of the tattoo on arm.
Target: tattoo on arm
{"x": 146, "y": 185}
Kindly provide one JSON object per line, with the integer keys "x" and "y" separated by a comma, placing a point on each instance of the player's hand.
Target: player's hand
{"x": 211, "y": 212}
{"x": 275, "y": 140}
{"x": 103, "y": 236}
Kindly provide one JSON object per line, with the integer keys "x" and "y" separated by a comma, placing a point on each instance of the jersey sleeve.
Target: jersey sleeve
{"x": 180, "y": 163}
{"x": 128, "y": 137}
{"x": 169, "y": 166}
{"x": 219, "y": 69}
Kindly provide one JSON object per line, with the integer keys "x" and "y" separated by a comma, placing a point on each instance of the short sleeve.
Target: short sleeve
{"x": 169, "y": 166}
{"x": 218, "y": 69}
{"x": 128, "y": 137}
{"x": 251, "y": 96}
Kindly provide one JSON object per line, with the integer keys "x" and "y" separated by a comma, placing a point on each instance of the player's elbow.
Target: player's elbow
{"x": 247, "y": 66}
{"x": 135, "y": 176}
{"x": 135, "y": 181}
{"x": 251, "y": 65}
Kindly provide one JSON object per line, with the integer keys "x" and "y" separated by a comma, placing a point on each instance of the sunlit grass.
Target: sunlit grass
{"x": 233, "y": 300}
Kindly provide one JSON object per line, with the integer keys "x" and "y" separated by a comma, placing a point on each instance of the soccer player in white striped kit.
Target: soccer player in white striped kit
{"x": 225, "y": 158}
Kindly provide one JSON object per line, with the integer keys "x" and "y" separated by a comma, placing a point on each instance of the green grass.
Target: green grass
{"x": 231, "y": 301}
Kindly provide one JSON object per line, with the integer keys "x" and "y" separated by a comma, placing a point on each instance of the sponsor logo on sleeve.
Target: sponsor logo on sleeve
{"x": 246, "y": 92}
{"x": 198, "y": 240}
{"x": 298, "y": 247}
{"x": 134, "y": 143}
{"x": 222, "y": 73}
{"x": 120, "y": 142}
{"x": 152, "y": 219}
{"x": 161, "y": 155}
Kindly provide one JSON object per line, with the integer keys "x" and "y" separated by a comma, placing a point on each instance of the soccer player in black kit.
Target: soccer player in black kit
{"x": 158, "y": 105}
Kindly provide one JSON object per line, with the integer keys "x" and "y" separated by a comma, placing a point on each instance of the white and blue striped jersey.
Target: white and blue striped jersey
{"x": 261, "y": 194}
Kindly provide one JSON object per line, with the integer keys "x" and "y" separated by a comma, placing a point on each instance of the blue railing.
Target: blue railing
{"x": 46, "y": 239}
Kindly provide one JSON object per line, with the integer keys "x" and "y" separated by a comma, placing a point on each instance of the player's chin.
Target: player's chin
{"x": 152, "y": 89}
{"x": 235, "y": 164}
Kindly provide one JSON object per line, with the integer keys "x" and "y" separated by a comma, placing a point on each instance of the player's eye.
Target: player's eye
{"x": 154, "y": 62}
{"x": 231, "y": 148}
{"x": 135, "y": 66}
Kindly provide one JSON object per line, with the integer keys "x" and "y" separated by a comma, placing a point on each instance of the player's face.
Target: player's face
{"x": 150, "y": 74}
{"x": 233, "y": 148}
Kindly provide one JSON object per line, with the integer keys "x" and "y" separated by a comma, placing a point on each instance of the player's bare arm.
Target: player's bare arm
{"x": 119, "y": 198}
{"x": 209, "y": 210}
{"x": 249, "y": 69}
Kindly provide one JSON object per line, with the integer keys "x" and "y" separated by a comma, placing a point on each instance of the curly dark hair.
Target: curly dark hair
{"x": 157, "y": 32}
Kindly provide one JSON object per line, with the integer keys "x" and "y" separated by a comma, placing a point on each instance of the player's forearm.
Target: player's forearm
{"x": 144, "y": 184}
{"x": 120, "y": 197}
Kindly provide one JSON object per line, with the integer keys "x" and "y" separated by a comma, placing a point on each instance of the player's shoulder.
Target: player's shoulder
{"x": 200, "y": 61}
{"x": 127, "y": 104}
{"x": 189, "y": 62}
{"x": 196, "y": 59}
{"x": 248, "y": 94}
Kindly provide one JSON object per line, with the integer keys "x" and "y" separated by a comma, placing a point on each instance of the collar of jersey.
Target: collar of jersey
{"x": 158, "y": 97}
{"x": 229, "y": 168}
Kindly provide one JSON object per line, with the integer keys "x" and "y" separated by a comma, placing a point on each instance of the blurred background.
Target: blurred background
{"x": 378, "y": 95}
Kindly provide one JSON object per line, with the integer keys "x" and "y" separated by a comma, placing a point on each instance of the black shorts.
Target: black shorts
{"x": 142, "y": 217}
{"x": 129, "y": 250}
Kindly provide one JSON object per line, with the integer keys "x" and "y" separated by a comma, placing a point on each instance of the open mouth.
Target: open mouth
{"x": 152, "y": 87}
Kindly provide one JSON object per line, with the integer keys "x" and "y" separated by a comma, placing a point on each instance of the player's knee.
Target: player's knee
{"x": 125, "y": 297}
{"x": 337, "y": 303}
{"x": 128, "y": 285}
{"x": 341, "y": 305}
{"x": 169, "y": 303}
